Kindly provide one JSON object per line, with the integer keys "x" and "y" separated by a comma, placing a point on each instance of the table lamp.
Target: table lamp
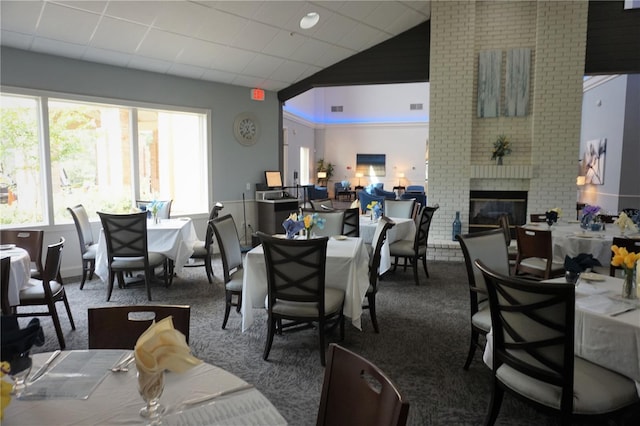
{"x": 400, "y": 177}
{"x": 359, "y": 175}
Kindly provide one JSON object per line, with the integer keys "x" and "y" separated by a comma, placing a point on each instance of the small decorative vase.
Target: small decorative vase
{"x": 308, "y": 232}
{"x": 499, "y": 161}
{"x": 596, "y": 227}
{"x": 571, "y": 277}
{"x": 150, "y": 387}
{"x": 19, "y": 368}
{"x": 629, "y": 285}
{"x": 156, "y": 219}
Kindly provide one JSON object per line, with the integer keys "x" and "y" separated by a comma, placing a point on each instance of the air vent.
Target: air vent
{"x": 336, "y": 108}
{"x": 415, "y": 107}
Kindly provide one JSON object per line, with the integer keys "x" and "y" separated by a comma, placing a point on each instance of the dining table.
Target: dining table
{"x": 20, "y": 271}
{"x": 404, "y": 229}
{"x": 80, "y": 388}
{"x": 569, "y": 239}
{"x": 347, "y": 268}
{"x": 607, "y": 326}
{"x": 173, "y": 238}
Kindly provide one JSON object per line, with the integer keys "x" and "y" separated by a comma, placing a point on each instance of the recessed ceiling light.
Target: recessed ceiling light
{"x": 309, "y": 20}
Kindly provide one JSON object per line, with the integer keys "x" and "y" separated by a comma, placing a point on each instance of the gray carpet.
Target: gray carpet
{"x": 422, "y": 345}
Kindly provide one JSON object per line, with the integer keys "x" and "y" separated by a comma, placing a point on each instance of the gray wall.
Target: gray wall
{"x": 630, "y": 171}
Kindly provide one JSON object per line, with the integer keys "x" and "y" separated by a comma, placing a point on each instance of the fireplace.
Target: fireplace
{"x": 485, "y": 207}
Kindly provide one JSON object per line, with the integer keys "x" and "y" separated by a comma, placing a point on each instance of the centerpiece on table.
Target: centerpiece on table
{"x": 590, "y": 217}
{"x": 553, "y": 215}
{"x": 297, "y": 222}
{"x": 375, "y": 210}
{"x": 501, "y": 147}
{"x": 624, "y": 222}
{"x": 161, "y": 347}
{"x": 154, "y": 207}
{"x": 629, "y": 263}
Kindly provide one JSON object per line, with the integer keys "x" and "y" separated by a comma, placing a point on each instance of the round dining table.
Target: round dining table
{"x": 20, "y": 271}
{"x": 80, "y": 388}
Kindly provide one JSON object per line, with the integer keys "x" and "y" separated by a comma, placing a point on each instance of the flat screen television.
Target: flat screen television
{"x": 273, "y": 179}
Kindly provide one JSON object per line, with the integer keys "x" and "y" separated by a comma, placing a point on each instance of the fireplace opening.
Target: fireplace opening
{"x": 485, "y": 207}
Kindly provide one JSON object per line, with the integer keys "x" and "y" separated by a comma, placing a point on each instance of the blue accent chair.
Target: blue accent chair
{"x": 366, "y": 198}
{"x": 416, "y": 192}
{"x": 389, "y": 195}
{"x": 315, "y": 192}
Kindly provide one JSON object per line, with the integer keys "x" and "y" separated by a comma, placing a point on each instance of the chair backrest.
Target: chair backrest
{"x": 83, "y": 226}
{"x": 632, "y": 246}
{"x": 295, "y": 269}
{"x": 538, "y": 217}
{"x": 356, "y": 392}
{"x": 333, "y": 225}
{"x": 399, "y": 208}
{"x": 366, "y": 199}
{"x": 226, "y": 233}
{"x": 125, "y": 234}
{"x": 52, "y": 266}
{"x": 387, "y": 195}
{"x": 608, "y": 218}
{"x": 215, "y": 210}
{"x": 379, "y": 237}
{"x": 533, "y": 329}
{"x": 534, "y": 243}
{"x": 489, "y": 248}
{"x": 5, "y": 274}
{"x": 319, "y": 205}
{"x": 351, "y": 223}
{"x": 29, "y": 239}
{"x": 631, "y": 212}
{"x": 118, "y": 327}
{"x": 503, "y": 222}
{"x": 164, "y": 212}
{"x": 424, "y": 223}
{"x": 415, "y": 188}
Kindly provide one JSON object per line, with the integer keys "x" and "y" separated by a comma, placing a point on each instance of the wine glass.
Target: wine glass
{"x": 150, "y": 386}
{"x": 20, "y": 367}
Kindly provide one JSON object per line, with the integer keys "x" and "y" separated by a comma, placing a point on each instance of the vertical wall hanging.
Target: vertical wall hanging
{"x": 517, "y": 82}
{"x": 489, "y": 64}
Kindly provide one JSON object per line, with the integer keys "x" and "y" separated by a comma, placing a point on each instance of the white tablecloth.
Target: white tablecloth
{"x": 610, "y": 341}
{"x": 172, "y": 237}
{"x": 116, "y": 400}
{"x": 347, "y": 269}
{"x": 20, "y": 273}
{"x": 404, "y": 229}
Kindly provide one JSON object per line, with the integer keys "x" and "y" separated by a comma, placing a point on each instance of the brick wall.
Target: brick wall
{"x": 546, "y": 141}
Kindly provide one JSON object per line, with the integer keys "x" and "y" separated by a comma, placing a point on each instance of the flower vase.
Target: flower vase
{"x": 308, "y": 232}
{"x": 499, "y": 161}
{"x": 629, "y": 285}
{"x": 150, "y": 386}
{"x": 156, "y": 219}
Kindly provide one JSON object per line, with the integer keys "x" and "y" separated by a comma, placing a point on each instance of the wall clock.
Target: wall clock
{"x": 246, "y": 129}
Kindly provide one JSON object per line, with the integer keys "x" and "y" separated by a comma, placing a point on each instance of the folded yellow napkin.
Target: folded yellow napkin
{"x": 162, "y": 347}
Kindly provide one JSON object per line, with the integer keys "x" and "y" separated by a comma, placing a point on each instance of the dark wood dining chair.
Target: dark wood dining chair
{"x": 488, "y": 246}
{"x": 47, "y": 292}
{"x": 632, "y": 245}
{"x": 31, "y": 240}
{"x": 535, "y": 254}
{"x": 533, "y": 355}
{"x": 355, "y": 392}
{"x": 5, "y": 275}
{"x": 119, "y": 327}
{"x": 88, "y": 246}
{"x": 297, "y": 295}
{"x": 503, "y": 223}
{"x": 127, "y": 249}
{"x": 351, "y": 223}
{"x": 537, "y": 217}
{"x": 379, "y": 238}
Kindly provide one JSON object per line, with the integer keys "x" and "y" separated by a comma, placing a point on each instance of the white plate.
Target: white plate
{"x": 590, "y": 276}
{"x": 340, "y": 237}
{"x": 7, "y": 246}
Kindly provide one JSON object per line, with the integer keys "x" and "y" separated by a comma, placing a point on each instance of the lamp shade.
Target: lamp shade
{"x": 359, "y": 175}
{"x": 322, "y": 175}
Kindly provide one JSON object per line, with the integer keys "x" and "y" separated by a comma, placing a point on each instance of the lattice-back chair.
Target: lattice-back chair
{"x": 226, "y": 233}
{"x": 203, "y": 249}
{"x": 88, "y": 246}
{"x": 30, "y": 240}
{"x": 356, "y": 392}
{"x": 297, "y": 294}
{"x": 47, "y": 292}
{"x": 632, "y": 245}
{"x": 379, "y": 238}
{"x": 533, "y": 354}
{"x": 119, "y": 327}
{"x": 351, "y": 223}
{"x": 489, "y": 247}
{"x": 412, "y": 251}
{"x": 333, "y": 225}
{"x": 535, "y": 254}
{"x": 538, "y": 217}
{"x": 127, "y": 249}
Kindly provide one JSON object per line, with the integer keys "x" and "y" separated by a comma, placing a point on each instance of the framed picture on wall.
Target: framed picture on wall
{"x": 593, "y": 159}
{"x": 371, "y": 164}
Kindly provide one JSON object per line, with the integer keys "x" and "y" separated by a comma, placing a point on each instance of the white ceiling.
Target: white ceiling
{"x": 244, "y": 43}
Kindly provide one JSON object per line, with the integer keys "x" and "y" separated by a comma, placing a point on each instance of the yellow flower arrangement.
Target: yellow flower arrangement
{"x": 5, "y": 389}
{"x": 622, "y": 258}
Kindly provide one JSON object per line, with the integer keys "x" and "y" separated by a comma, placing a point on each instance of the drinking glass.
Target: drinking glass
{"x": 150, "y": 386}
{"x": 20, "y": 367}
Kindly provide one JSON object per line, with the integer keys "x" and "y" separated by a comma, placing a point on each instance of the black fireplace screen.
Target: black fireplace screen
{"x": 485, "y": 207}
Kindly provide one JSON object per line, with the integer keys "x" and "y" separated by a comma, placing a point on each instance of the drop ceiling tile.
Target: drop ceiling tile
{"x": 232, "y": 60}
{"x": 289, "y": 71}
{"x": 186, "y": 71}
{"x": 334, "y": 28}
{"x": 219, "y": 76}
{"x": 162, "y": 45}
{"x": 247, "y": 81}
{"x": 309, "y": 51}
{"x": 311, "y": 70}
{"x": 56, "y": 47}
{"x": 221, "y": 27}
{"x": 254, "y": 37}
{"x": 360, "y": 37}
{"x": 424, "y": 7}
{"x": 90, "y": 6}
{"x": 273, "y": 85}
{"x": 118, "y": 35}
{"x": 239, "y": 8}
{"x": 330, "y": 5}
{"x": 67, "y": 24}
{"x": 20, "y": 16}
{"x": 105, "y": 56}
{"x": 283, "y": 44}
{"x": 332, "y": 55}
{"x": 385, "y": 13}
{"x": 358, "y": 10}
{"x": 201, "y": 53}
{"x": 149, "y": 64}
{"x": 409, "y": 19}
{"x": 184, "y": 18}
{"x": 135, "y": 11}
{"x": 263, "y": 65}
{"x": 17, "y": 40}
{"x": 279, "y": 13}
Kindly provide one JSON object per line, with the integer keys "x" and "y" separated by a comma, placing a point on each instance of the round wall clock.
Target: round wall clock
{"x": 246, "y": 129}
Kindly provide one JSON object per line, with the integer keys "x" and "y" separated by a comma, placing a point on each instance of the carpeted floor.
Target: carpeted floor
{"x": 422, "y": 345}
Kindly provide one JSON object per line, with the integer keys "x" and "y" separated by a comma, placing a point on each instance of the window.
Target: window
{"x": 90, "y": 147}
{"x": 304, "y": 166}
